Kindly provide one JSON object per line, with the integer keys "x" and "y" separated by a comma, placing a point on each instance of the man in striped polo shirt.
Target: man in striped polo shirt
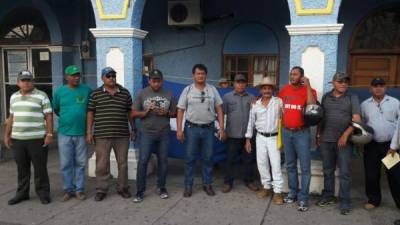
{"x": 109, "y": 108}
{"x": 29, "y": 131}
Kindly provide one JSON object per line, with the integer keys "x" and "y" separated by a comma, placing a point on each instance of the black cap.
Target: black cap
{"x": 340, "y": 76}
{"x": 240, "y": 77}
{"x": 155, "y": 74}
{"x": 377, "y": 81}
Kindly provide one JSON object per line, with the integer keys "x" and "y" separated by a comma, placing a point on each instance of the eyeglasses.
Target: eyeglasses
{"x": 108, "y": 76}
{"x": 343, "y": 82}
{"x": 202, "y": 96}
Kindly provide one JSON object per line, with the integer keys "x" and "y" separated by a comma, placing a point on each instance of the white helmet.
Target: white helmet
{"x": 362, "y": 133}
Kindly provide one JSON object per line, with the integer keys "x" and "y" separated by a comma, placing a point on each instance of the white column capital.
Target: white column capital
{"x": 118, "y": 32}
{"x": 314, "y": 29}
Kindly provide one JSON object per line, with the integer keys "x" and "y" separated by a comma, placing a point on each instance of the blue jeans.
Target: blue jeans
{"x": 297, "y": 145}
{"x": 149, "y": 143}
{"x": 198, "y": 140}
{"x": 330, "y": 154}
{"x": 73, "y": 159}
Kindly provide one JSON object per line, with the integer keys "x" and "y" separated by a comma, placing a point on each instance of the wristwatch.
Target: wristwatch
{"x": 49, "y": 134}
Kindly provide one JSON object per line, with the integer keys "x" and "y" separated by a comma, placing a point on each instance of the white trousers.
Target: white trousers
{"x": 268, "y": 156}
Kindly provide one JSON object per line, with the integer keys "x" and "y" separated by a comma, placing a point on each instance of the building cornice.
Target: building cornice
{"x": 312, "y": 29}
{"x": 118, "y": 33}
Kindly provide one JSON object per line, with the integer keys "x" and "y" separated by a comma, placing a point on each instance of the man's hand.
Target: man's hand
{"x": 161, "y": 111}
{"x": 247, "y": 145}
{"x": 343, "y": 141}
{"x": 221, "y": 135}
{"x": 133, "y": 136}
{"x": 48, "y": 140}
{"x": 180, "y": 136}
{"x": 391, "y": 152}
{"x": 318, "y": 140}
{"x": 305, "y": 81}
{"x": 7, "y": 141}
{"x": 89, "y": 138}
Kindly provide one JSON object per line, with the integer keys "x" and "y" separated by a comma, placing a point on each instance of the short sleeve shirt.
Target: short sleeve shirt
{"x": 110, "y": 112}
{"x": 199, "y": 105}
{"x": 338, "y": 113}
{"x": 163, "y": 98}
{"x": 294, "y": 100}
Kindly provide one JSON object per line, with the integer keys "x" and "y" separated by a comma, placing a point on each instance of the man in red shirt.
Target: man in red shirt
{"x": 296, "y": 137}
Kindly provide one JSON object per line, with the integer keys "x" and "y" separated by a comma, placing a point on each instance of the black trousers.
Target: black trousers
{"x": 236, "y": 153}
{"x": 25, "y": 152}
{"x": 373, "y": 154}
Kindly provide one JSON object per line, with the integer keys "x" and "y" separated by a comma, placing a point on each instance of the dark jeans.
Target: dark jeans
{"x": 373, "y": 154}
{"x": 236, "y": 152}
{"x": 297, "y": 146}
{"x": 149, "y": 143}
{"x": 198, "y": 140}
{"x": 330, "y": 155}
{"x": 25, "y": 152}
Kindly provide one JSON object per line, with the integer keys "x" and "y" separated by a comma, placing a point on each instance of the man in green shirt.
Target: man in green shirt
{"x": 70, "y": 105}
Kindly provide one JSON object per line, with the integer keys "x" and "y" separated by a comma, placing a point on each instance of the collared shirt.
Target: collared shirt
{"x": 382, "y": 116}
{"x": 199, "y": 105}
{"x": 236, "y": 107}
{"x": 264, "y": 118}
{"x": 338, "y": 113}
{"x": 29, "y": 114}
{"x": 110, "y": 112}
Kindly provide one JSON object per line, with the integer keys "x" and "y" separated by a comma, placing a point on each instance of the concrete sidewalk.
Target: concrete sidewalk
{"x": 240, "y": 206}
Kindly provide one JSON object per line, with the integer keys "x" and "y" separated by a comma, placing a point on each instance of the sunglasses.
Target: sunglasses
{"x": 202, "y": 96}
{"x": 108, "y": 76}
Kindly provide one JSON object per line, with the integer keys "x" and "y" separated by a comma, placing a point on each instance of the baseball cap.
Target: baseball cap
{"x": 377, "y": 81}
{"x": 107, "y": 70}
{"x": 155, "y": 74}
{"x": 25, "y": 74}
{"x": 340, "y": 76}
{"x": 240, "y": 77}
{"x": 71, "y": 70}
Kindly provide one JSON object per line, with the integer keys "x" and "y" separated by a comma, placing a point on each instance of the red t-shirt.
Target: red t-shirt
{"x": 294, "y": 99}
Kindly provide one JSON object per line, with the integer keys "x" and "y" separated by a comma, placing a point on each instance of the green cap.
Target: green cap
{"x": 71, "y": 70}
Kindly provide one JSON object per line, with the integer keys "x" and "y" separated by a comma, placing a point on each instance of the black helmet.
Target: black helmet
{"x": 312, "y": 114}
{"x": 362, "y": 133}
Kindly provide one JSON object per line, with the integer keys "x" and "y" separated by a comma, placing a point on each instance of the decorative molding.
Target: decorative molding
{"x": 313, "y": 62}
{"x": 120, "y": 16}
{"x": 60, "y": 48}
{"x": 115, "y": 59}
{"x": 312, "y": 12}
{"x": 313, "y": 29}
{"x": 118, "y": 32}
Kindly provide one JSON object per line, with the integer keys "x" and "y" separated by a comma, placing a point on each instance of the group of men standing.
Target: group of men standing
{"x": 249, "y": 119}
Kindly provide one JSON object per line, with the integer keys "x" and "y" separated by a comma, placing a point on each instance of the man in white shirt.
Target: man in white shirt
{"x": 264, "y": 117}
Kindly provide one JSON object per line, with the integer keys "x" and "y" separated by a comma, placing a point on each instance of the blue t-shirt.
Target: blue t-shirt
{"x": 70, "y": 104}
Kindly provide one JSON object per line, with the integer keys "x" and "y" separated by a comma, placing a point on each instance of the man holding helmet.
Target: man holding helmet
{"x": 381, "y": 112}
{"x": 340, "y": 109}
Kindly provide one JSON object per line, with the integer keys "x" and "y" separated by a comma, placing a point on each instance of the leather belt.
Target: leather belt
{"x": 294, "y": 129}
{"x": 268, "y": 134}
{"x": 207, "y": 125}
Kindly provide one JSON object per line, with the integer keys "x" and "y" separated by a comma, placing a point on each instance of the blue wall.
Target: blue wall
{"x": 351, "y": 18}
{"x": 176, "y": 50}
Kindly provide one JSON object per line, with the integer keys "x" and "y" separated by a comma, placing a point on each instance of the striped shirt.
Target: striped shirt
{"x": 264, "y": 118}
{"x": 110, "y": 112}
{"x": 29, "y": 114}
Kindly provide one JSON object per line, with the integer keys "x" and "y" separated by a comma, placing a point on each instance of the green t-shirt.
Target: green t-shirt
{"x": 70, "y": 104}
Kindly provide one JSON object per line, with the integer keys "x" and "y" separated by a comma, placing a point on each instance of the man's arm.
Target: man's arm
{"x": 49, "y": 128}
{"x": 220, "y": 117}
{"x": 179, "y": 119}
{"x": 89, "y": 124}
{"x": 346, "y": 134}
{"x": 7, "y": 131}
{"x": 310, "y": 96}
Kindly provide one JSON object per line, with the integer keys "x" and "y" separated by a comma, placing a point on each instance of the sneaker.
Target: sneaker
{"x": 345, "y": 212}
{"x": 163, "y": 193}
{"x": 263, "y": 193}
{"x": 80, "y": 196}
{"x": 302, "y": 207}
{"x": 138, "y": 199}
{"x": 278, "y": 198}
{"x": 369, "y": 206}
{"x": 66, "y": 196}
{"x": 326, "y": 202}
{"x": 289, "y": 199}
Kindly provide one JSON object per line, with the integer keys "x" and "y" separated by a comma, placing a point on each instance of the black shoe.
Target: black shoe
{"x": 99, "y": 196}
{"x": 124, "y": 193}
{"x": 396, "y": 222}
{"x": 187, "y": 192}
{"x": 209, "y": 190}
{"x": 17, "y": 199}
{"x": 45, "y": 200}
{"x": 345, "y": 211}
